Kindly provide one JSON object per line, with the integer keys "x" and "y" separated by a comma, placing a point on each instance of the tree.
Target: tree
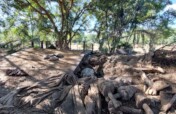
{"x": 118, "y": 18}
{"x": 63, "y": 18}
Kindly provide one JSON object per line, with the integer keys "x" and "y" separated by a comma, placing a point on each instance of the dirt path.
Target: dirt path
{"x": 32, "y": 62}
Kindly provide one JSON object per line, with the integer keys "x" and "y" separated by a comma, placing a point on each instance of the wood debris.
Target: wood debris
{"x": 99, "y": 84}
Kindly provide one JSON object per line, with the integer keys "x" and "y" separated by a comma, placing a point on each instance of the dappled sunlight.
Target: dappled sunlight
{"x": 87, "y": 56}
{"x": 32, "y": 62}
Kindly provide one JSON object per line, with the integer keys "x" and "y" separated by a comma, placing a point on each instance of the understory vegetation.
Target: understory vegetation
{"x": 106, "y": 23}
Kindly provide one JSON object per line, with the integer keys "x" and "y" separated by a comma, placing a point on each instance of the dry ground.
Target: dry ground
{"x": 32, "y": 61}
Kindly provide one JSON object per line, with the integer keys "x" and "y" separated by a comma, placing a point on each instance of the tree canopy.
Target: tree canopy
{"x": 64, "y": 20}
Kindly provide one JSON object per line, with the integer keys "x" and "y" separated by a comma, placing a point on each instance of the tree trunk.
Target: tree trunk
{"x": 151, "y": 44}
{"x": 101, "y": 42}
{"x": 134, "y": 40}
{"x": 62, "y": 45}
{"x": 143, "y": 39}
{"x": 138, "y": 38}
{"x": 41, "y": 44}
{"x": 84, "y": 46}
{"x": 32, "y": 43}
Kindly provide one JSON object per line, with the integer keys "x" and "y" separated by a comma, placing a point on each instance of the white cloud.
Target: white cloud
{"x": 173, "y": 6}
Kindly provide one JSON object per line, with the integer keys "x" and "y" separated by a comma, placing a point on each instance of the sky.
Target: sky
{"x": 172, "y": 6}
{"x": 173, "y": 1}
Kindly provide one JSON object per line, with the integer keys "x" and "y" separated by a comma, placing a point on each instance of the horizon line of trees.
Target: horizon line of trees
{"x": 65, "y": 21}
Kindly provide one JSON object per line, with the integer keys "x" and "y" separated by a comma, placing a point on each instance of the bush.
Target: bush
{"x": 124, "y": 45}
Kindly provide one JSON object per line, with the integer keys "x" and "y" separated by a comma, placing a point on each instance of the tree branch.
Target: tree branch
{"x": 48, "y": 15}
{"x": 78, "y": 15}
{"x": 35, "y": 8}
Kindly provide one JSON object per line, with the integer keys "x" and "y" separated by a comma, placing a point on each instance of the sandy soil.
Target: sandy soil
{"x": 32, "y": 61}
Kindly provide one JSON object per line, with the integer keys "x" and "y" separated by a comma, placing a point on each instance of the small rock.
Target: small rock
{"x": 87, "y": 72}
{"x": 60, "y": 56}
{"x": 53, "y": 58}
{"x": 48, "y": 56}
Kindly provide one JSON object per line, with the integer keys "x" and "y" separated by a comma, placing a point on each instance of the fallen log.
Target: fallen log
{"x": 156, "y": 86}
{"x": 143, "y": 102}
{"x": 92, "y": 100}
{"x": 123, "y": 109}
{"x": 165, "y": 102}
{"x": 151, "y": 70}
{"x": 130, "y": 110}
{"x": 127, "y": 92}
{"x": 107, "y": 88}
{"x": 70, "y": 104}
{"x": 146, "y": 80}
{"x": 153, "y": 87}
{"x": 154, "y": 98}
{"x": 90, "y": 105}
{"x": 9, "y": 98}
{"x": 80, "y": 109}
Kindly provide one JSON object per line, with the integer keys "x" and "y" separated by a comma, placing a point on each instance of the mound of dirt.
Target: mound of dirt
{"x": 165, "y": 58}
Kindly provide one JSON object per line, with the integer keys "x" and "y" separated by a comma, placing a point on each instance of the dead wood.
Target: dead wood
{"x": 130, "y": 110}
{"x": 16, "y": 72}
{"x": 123, "y": 80}
{"x": 124, "y": 109}
{"x": 151, "y": 70}
{"x": 147, "y": 58}
{"x": 9, "y": 98}
{"x": 127, "y": 92}
{"x": 81, "y": 91}
{"x": 148, "y": 90}
{"x": 154, "y": 98}
{"x": 166, "y": 102}
{"x": 146, "y": 80}
{"x": 153, "y": 87}
{"x": 93, "y": 92}
{"x": 143, "y": 102}
{"x": 157, "y": 86}
{"x": 107, "y": 89}
{"x": 90, "y": 105}
{"x": 80, "y": 109}
{"x": 165, "y": 46}
{"x": 71, "y": 104}
{"x": 85, "y": 85}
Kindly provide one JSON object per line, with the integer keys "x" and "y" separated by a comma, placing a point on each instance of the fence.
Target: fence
{"x": 17, "y": 45}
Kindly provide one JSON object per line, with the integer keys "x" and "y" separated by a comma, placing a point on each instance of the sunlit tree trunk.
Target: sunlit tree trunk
{"x": 134, "y": 39}
{"x": 152, "y": 43}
